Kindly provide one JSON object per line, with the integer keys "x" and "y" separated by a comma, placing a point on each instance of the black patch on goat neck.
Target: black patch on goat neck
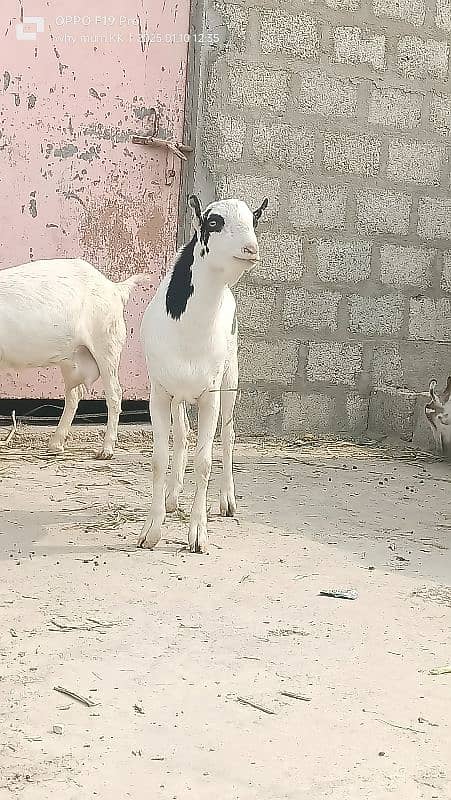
{"x": 180, "y": 286}
{"x": 211, "y": 223}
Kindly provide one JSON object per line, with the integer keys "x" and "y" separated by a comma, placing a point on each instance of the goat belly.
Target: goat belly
{"x": 189, "y": 380}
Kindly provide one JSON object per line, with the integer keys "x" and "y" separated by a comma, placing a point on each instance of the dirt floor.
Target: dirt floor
{"x": 167, "y": 646}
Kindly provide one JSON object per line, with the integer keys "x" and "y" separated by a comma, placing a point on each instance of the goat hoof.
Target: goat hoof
{"x": 227, "y": 505}
{"x": 172, "y": 502}
{"x": 55, "y": 447}
{"x": 150, "y": 535}
{"x": 198, "y": 538}
{"x": 104, "y": 455}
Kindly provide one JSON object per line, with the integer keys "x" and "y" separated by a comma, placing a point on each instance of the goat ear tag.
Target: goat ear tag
{"x": 259, "y": 211}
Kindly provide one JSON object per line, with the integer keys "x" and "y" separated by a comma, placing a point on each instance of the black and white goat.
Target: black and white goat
{"x": 189, "y": 334}
{"x": 64, "y": 312}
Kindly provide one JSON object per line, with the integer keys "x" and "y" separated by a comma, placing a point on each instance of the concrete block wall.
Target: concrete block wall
{"x": 340, "y": 112}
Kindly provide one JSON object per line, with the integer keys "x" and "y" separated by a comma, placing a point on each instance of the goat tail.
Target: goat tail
{"x": 125, "y": 288}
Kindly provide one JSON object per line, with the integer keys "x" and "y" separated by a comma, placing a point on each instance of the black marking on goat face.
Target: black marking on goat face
{"x": 180, "y": 286}
{"x": 211, "y": 223}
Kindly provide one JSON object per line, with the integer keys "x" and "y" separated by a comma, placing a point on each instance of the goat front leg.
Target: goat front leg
{"x": 208, "y": 421}
{"x": 227, "y": 501}
{"x": 160, "y": 413}
{"x": 180, "y": 432}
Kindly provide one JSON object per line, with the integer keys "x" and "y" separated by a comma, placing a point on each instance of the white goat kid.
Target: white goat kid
{"x": 438, "y": 414}
{"x": 189, "y": 335}
{"x": 65, "y": 312}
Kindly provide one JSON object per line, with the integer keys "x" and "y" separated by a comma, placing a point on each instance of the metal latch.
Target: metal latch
{"x": 175, "y": 148}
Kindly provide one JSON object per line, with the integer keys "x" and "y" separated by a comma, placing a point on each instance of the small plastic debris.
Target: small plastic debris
{"x": 345, "y": 594}
{"x": 440, "y": 671}
{"x": 296, "y": 696}
{"x": 58, "y": 729}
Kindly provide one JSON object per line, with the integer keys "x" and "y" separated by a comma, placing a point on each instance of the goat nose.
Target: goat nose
{"x": 250, "y": 250}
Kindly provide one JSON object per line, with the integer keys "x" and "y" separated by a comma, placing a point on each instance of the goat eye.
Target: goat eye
{"x": 213, "y": 224}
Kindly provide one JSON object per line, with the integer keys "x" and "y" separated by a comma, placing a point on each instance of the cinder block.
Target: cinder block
{"x": 316, "y": 92}
{"x": 395, "y": 107}
{"x": 376, "y": 316}
{"x": 406, "y": 266}
{"x": 236, "y": 21}
{"x": 430, "y": 319}
{"x": 272, "y": 362}
{"x": 445, "y": 281}
{"x": 252, "y": 189}
{"x": 415, "y": 161}
{"x": 422, "y": 58}
{"x": 294, "y": 35}
{"x": 224, "y": 137}
{"x": 343, "y": 5}
{"x": 443, "y": 15}
{"x": 383, "y": 211}
{"x": 343, "y": 260}
{"x": 434, "y": 217}
{"x": 423, "y": 362}
{"x": 392, "y": 412}
{"x": 311, "y": 413}
{"x": 322, "y": 206}
{"x": 352, "y": 46}
{"x": 281, "y": 257}
{"x": 255, "y": 86}
{"x": 334, "y": 362}
{"x": 258, "y": 413}
{"x": 386, "y": 369}
{"x": 317, "y": 311}
{"x": 353, "y": 153}
{"x": 357, "y": 409}
{"x": 255, "y": 306}
{"x": 283, "y": 145}
{"x": 411, "y": 11}
{"x": 440, "y": 113}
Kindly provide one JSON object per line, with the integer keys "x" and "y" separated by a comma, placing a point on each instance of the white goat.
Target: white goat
{"x": 65, "y": 312}
{"x": 189, "y": 335}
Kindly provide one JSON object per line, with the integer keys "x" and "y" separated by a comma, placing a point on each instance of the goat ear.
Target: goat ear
{"x": 193, "y": 203}
{"x": 257, "y": 214}
{"x": 447, "y": 392}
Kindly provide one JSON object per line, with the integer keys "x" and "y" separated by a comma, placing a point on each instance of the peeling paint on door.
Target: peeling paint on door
{"x": 72, "y": 183}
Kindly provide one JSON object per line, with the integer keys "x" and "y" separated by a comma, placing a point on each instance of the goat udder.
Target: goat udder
{"x": 81, "y": 369}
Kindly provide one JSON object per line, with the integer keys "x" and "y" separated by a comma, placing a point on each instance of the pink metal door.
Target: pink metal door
{"x": 76, "y": 85}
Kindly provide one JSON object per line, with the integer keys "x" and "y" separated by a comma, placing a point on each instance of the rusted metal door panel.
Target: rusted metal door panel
{"x": 75, "y": 86}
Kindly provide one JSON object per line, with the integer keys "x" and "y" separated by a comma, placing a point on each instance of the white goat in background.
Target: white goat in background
{"x": 438, "y": 414}
{"x": 189, "y": 335}
{"x": 64, "y": 312}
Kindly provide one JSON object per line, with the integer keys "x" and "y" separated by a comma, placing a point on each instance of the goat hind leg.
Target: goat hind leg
{"x": 180, "y": 431}
{"x": 227, "y": 501}
{"x": 109, "y": 369}
{"x": 208, "y": 420}
{"x": 72, "y": 399}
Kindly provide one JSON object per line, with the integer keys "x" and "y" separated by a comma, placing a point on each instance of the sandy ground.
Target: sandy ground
{"x": 165, "y": 643}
